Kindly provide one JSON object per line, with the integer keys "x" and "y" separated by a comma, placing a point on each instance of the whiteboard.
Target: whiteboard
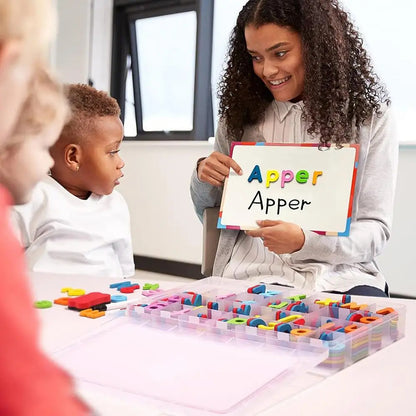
{"x": 299, "y": 183}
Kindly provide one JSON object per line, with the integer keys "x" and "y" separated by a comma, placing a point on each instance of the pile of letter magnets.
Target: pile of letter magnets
{"x": 350, "y": 331}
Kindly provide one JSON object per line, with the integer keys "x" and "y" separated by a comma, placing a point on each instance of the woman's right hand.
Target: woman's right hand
{"x": 216, "y": 167}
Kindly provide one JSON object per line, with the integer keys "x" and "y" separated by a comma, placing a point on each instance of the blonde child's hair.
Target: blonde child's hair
{"x": 86, "y": 104}
{"x": 32, "y": 21}
{"x": 45, "y": 104}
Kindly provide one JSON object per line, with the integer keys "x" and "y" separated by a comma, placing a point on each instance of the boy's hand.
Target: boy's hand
{"x": 216, "y": 167}
{"x": 279, "y": 236}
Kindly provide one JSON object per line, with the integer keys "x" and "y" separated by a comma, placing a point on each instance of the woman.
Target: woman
{"x": 297, "y": 72}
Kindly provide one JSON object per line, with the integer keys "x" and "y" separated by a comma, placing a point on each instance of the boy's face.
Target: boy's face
{"x": 15, "y": 74}
{"x": 25, "y": 164}
{"x": 100, "y": 167}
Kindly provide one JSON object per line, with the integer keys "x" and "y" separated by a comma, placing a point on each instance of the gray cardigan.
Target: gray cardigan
{"x": 329, "y": 260}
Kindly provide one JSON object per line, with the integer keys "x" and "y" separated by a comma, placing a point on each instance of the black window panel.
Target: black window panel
{"x": 125, "y": 52}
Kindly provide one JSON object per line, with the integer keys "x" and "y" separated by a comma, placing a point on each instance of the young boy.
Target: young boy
{"x": 30, "y": 383}
{"x": 75, "y": 223}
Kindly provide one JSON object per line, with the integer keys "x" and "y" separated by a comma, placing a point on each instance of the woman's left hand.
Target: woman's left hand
{"x": 279, "y": 236}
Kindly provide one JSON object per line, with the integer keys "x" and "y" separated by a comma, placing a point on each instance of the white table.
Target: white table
{"x": 381, "y": 384}
{"x": 61, "y": 326}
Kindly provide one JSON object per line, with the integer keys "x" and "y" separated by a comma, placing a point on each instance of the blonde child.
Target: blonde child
{"x": 75, "y": 222}
{"x": 25, "y": 160}
{"x": 26, "y": 29}
{"x": 30, "y": 383}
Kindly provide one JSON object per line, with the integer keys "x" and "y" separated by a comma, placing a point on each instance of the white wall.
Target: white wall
{"x": 101, "y": 39}
{"x": 397, "y": 259}
{"x": 71, "y": 52}
{"x": 156, "y": 186}
{"x": 156, "y": 182}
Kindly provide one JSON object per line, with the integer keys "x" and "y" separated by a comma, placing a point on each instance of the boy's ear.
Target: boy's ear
{"x": 72, "y": 156}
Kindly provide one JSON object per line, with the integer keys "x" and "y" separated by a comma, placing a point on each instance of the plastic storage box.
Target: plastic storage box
{"x": 241, "y": 344}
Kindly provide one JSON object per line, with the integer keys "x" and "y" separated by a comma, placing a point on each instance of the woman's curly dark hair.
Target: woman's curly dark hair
{"x": 341, "y": 90}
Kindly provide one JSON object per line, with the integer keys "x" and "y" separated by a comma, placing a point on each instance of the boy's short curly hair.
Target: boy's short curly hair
{"x": 87, "y": 104}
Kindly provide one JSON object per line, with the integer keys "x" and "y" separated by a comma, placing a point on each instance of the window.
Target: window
{"x": 130, "y": 126}
{"x": 162, "y": 68}
{"x": 167, "y": 68}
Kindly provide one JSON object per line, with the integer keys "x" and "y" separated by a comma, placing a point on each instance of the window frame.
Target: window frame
{"x": 125, "y": 14}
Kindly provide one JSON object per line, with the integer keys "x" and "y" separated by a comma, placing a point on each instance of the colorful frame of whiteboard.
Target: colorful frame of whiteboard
{"x": 317, "y": 145}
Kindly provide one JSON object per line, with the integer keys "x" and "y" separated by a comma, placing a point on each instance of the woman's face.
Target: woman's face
{"x": 276, "y": 52}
